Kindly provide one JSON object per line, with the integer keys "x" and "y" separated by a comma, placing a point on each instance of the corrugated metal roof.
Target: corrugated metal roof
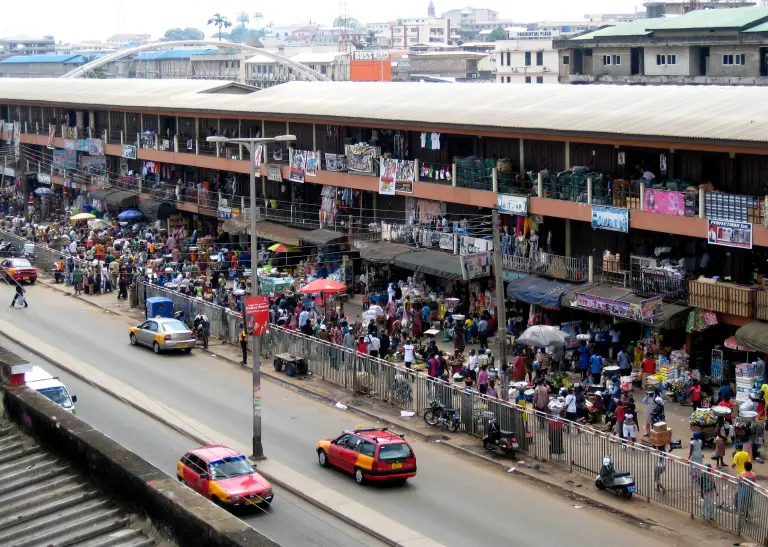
{"x": 732, "y": 113}
{"x": 32, "y": 59}
{"x": 172, "y": 54}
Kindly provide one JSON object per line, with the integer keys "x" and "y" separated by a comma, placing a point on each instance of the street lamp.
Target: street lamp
{"x": 251, "y": 144}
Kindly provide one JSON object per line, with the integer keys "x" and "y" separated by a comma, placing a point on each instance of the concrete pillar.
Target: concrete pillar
{"x": 567, "y": 154}
{"x": 568, "y": 237}
{"x": 642, "y": 195}
{"x": 453, "y": 175}
{"x": 589, "y": 190}
{"x": 522, "y": 156}
{"x": 314, "y": 144}
{"x": 375, "y": 216}
{"x": 125, "y": 123}
{"x": 494, "y": 181}
{"x": 415, "y": 167}
{"x": 176, "y": 143}
{"x": 455, "y": 243}
{"x": 288, "y": 128}
{"x": 702, "y": 205}
{"x": 540, "y": 185}
{"x": 218, "y": 132}
{"x": 122, "y": 137}
{"x": 591, "y": 269}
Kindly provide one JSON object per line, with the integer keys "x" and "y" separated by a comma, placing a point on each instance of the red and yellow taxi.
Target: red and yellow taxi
{"x": 370, "y": 453}
{"x": 224, "y": 477}
{"x": 18, "y": 269}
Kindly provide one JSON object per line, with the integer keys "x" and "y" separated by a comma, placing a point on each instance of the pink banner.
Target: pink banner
{"x": 664, "y": 202}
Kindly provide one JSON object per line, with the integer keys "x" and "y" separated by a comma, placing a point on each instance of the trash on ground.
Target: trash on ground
{"x": 341, "y": 406}
{"x": 407, "y": 413}
{"x": 511, "y": 470}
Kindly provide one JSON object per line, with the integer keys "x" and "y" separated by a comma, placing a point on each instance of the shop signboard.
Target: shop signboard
{"x": 257, "y": 314}
{"x": 513, "y": 276}
{"x": 370, "y": 55}
{"x": 513, "y": 205}
{"x": 274, "y": 173}
{"x": 730, "y": 234}
{"x": 64, "y": 159}
{"x": 615, "y": 219}
{"x": 335, "y": 163}
{"x": 129, "y": 151}
{"x": 81, "y": 145}
{"x": 644, "y": 312}
{"x": 446, "y": 241}
{"x": 475, "y": 265}
{"x": 651, "y": 307}
{"x": 664, "y": 202}
{"x": 469, "y": 245}
{"x": 95, "y": 147}
{"x": 94, "y": 165}
{"x": 360, "y": 158}
{"x": 69, "y": 144}
{"x": 42, "y": 178}
{"x": 224, "y": 213}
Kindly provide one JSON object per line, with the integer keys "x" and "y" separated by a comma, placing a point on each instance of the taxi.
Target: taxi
{"x": 18, "y": 269}
{"x": 161, "y": 334}
{"x": 370, "y": 454}
{"x": 224, "y": 476}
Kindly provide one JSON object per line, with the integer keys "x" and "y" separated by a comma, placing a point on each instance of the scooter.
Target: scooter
{"x": 437, "y": 414}
{"x": 496, "y": 440}
{"x": 621, "y": 482}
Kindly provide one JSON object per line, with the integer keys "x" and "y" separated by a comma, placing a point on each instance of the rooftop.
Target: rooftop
{"x": 32, "y": 59}
{"x": 26, "y": 38}
{"x": 676, "y": 112}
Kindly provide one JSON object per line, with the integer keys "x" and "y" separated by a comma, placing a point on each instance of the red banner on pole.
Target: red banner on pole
{"x": 257, "y": 314}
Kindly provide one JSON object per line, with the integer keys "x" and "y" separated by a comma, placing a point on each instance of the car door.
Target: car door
{"x": 349, "y": 456}
{"x": 338, "y": 449}
{"x": 191, "y": 471}
{"x": 148, "y": 333}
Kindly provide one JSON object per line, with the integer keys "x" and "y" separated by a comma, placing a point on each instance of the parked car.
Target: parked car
{"x": 161, "y": 334}
{"x": 18, "y": 269}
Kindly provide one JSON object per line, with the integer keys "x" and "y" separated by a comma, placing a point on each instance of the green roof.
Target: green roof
{"x": 754, "y": 18}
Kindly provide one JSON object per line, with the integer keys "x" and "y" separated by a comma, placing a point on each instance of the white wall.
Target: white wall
{"x": 510, "y": 61}
{"x": 682, "y": 66}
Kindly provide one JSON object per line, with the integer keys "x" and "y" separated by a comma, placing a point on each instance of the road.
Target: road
{"x": 454, "y": 500}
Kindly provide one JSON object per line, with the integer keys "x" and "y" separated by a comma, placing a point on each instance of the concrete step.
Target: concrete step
{"x": 127, "y": 537}
{"x": 25, "y": 528}
{"x": 33, "y": 475}
{"x": 15, "y": 452}
{"x": 9, "y": 470}
{"x": 76, "y": 531}
{"x": 9, "y": 438}
{"x": 52, "y": 486}
{"x": 42, "y": 503}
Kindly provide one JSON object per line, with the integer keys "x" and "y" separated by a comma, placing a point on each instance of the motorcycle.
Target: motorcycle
{"x": 621, "y": 482}
{"x": 496, "y": 440}
{"x": 6, "y": 248}
{"x": 437, "y": 414}
{"x": 201, "y": 328}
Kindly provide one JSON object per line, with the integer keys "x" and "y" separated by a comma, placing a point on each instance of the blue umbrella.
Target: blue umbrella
{"x": 130, "y": 214}
{"x": 43, "y": 191}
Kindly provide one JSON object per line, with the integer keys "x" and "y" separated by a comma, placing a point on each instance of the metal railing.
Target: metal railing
{"x": 647, "y": 283}
{"x": 614, "y": 273}
{"x": 549, "y": 265}
{"x": 436, "y": 173}
{"x": 518, "y": 184}
{"x": 475, "y": 173}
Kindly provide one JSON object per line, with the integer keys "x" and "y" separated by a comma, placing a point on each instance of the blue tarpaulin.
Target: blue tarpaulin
{"x": 539, "y": 290}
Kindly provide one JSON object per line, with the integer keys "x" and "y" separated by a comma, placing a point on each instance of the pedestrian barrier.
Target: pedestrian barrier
{"x": 737, "y": 505}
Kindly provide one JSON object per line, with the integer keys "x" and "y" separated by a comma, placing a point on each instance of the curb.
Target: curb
{"x": 202, "y": 441}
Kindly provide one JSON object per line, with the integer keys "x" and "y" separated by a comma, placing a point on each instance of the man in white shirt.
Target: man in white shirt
{"x": 362, "y": 283}
{"x": 373, "y": 343}
{"x": 73, "y": 247}
{"x": 615, "y": 341}
{"x": 570, "y": 406}
{"x": 408, "y": 352}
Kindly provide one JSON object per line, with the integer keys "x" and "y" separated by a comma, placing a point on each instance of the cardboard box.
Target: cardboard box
{"x": 659, "y": 438}
{"x": 661, "y": 427}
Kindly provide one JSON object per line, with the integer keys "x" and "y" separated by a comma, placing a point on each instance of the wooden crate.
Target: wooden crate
{"x": 723, "y": 297}
{"x": 633, "y": 203}
{"x": 761, "y": 304}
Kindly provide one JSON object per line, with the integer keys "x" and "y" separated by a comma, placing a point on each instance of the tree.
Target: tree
{"x": 189, "y": 33}
{"x": 257, "y": 17}
{"x": 219, "y": 21}
{"x": 349, "y": 22}
{"x": 497, "y": 34}
{"x": 243, "y": 19}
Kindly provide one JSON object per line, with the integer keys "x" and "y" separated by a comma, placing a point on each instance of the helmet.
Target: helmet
{"x": 658, "y": 401}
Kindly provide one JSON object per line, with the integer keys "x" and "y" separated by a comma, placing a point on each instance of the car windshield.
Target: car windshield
{"x": 227, "y": 468}
{"x": 398, "y": 451}
{"x": 20, "y": 263}
{"x": 58, "y": 395}
{"x": 174, "y": 326}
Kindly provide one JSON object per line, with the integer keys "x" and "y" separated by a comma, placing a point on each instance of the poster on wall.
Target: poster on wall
{"x": 51, "y": 137}
{"x": 335, "y": 163}
{"x": 95, "y": 147}
{"x": 257, "y": 157}
{"x": 610, "y": 218}
{"x": 475, "y": 265}
{"x": 81, "y": 145}
{"x": 405, "y": 176}
{"x": 469, "y": 245}
{"x": 223, "y": 213}
{"x": 298, "y": 162}
{"x": 310, "y": 167}
{"x": 257, "y": 314}
{"x": 69, "y": 144}
{"x": 644, "y": 312}
{"x": 274, "y": 173}
{"x": 360, "y": 158}
{"x": 513, "y": 205}
{"x": 64, "y": 159}
{"x": 94, "y": 165}
{"x": 387, "y": 174}
{"x": 664, "y": 202}
{"x": 730, "y": 234}
{"x": 129, "y": 151}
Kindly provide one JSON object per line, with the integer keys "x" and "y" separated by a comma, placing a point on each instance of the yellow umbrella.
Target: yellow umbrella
{"x": 281, "y": 248}
{"x": 83, "y": 216}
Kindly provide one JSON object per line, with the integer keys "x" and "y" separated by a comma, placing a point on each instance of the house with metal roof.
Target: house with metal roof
{"x": 39, "y": 66}
{"x": 718, "y": 46}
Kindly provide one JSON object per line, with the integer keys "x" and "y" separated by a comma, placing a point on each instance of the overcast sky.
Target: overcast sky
{"x": 76, "y": 21}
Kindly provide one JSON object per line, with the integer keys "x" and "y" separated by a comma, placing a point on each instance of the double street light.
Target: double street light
{"x": 251, "y": 145}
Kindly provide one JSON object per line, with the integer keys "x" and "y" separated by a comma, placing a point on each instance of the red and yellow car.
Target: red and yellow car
{"x": 224, "y": 477}
{"x": 18, "y": 269}
{"x": 371, "y": 454}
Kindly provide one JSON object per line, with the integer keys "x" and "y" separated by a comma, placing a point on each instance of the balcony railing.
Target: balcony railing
{"x": 549, "y": 265}
{"x": 727, "y": 298}
{"x": 650, "y": 282}
{"x": 476, "y": 173}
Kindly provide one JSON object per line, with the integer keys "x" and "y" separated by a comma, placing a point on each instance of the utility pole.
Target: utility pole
{"x": 501, "y": 306}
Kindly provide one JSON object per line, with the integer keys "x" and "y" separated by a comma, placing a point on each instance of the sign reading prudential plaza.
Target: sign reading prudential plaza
{"x": 370, "y": 55}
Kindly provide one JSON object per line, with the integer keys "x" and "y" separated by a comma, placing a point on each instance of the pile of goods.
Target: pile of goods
{"x": 749, "y": 376}
{"x": 661, "y": 435}
{"x": 703, "y": 419}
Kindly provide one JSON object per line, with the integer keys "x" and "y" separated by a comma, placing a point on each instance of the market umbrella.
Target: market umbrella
{"x": 282, "y": 248}
{"x": 542, "y": 335}
{"x": 98, "y": 224}
{"x": 323, "y": 286}
{"x": 130, "y": 214}
{"x": 732, "y": 343}
{"x": 43, "y": 191}
{"x": 83, "y": 216}
{"x": 754, "y": 335}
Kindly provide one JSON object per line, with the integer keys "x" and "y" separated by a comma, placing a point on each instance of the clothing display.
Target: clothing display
{"x": 430, "y": 141}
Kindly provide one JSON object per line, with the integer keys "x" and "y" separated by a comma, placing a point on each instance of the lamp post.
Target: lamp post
{"x": 251, "y": 144}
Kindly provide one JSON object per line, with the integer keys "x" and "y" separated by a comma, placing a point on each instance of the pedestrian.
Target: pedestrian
{"x": 740, "y": 459}
{"x": 583, "y": 359}
{"x": 374, "y": 344}
{"x": 244, "y": 344}
{"x": 629, "y": 427}
{"x": 482, "y": 379}
{"x": 408, "y": 353}
{"x": 433, "y": 367}
{"x": 708, "y": 493}
{"x": 720, "y": 450}
{"x": 483, "y": 331}
{"x": 19, "y": 296}
{"x": 625, "y": 368}
{"x": 745, "y": 492}
{"x": 570, "y": 405}
{"x": 596, "y": 367}
{"x": 491, "y": 390}
{"x": 77, "y": 279}
{"x": 695, "y": 395}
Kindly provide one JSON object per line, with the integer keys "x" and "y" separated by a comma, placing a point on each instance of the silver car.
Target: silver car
{"x": 162, "y": 333}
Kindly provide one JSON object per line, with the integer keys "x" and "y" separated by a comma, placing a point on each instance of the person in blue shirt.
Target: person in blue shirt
{"x": 583, "y": 359}
{"x": 596, "y": 367}
{"x": 725, "y": 392}
{"x": 625, "y": 368}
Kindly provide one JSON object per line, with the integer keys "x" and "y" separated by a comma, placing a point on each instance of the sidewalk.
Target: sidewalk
{"x": 575, "y": 486}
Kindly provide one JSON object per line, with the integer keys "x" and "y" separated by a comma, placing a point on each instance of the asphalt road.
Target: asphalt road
{"x": 454, "y": 499}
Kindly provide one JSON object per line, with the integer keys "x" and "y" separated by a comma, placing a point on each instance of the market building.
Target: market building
{"x": 633, "y": 206}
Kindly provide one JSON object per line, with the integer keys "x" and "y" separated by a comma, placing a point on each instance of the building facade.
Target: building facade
{"x": 447, "y": 66}
{"x": 406, "y": 33}
{"x": 526, "y": 61}
{"x": 26, "y": 45}
{"x": 470, "y": 16}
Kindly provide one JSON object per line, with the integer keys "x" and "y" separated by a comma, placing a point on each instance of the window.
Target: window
{"x": 539, "y": 79}
{"x": 509, "y": 58}
{"x": 566, "y": 59}
{"x": 366, "y": 449}
{"x": 617, "y": 59}
{"x": 734, "y": 59}
{"x": 671, "y": 59}
{"x": 539, "y": 58}
{"x": 323, "y": 69}
{"x": 527, "y": 79}
{"x": 527, "y": 58}
{"x": 395, "y": 451}
{"x": 501, "y": 59}
{"x": 509, "y": 79}
{"x": 606, "y": 60}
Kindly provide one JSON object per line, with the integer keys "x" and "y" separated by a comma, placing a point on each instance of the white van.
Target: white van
{"x": 52, "y": 388}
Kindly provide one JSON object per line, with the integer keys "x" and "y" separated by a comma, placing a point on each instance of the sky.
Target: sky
{"x": 76, "y": 22}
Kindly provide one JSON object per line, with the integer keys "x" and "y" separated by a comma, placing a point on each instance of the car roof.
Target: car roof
{"x": 47, "y": 383}
{"x": 164, "y": 319}
{"x": 376, "y": 435}
{"x": 214, "y": 452}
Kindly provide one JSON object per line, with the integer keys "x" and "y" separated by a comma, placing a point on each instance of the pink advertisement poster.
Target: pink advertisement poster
{"x": 664, "y": 202}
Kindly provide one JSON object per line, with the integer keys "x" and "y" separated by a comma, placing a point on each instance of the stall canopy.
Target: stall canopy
{"x": 279, "y": 233}
{"x": 155, "y": 209}
{"x": 235, "y": 225}
{"x": 381, "y": 252}
{"x": 539, "y": 290}
{"x": 754, "y": 335}
{"x": 321, "y": 236}
{"x": 430, "y": 262}
{"x": 123, "y": 200}
{"x": 101, "y": 194}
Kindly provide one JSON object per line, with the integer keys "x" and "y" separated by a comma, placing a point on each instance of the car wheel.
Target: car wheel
{"x": 156, "y": 348}
{"x": 186, "y": 350}
{"x": 134, "y": 341}
{"x": 322, "y": 458}
{"x": 217, "y": 501}
{"x": 359, "y": 478}
{"x": 32, "y": 281}
{"x": 180, "y": 478}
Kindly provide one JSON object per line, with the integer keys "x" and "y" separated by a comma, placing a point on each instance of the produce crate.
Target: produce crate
{"x": 722, "y": 297}
{"x": 761, "y": 305}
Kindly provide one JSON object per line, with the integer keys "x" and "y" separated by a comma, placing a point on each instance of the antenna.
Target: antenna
{"x": 345, "y": 44}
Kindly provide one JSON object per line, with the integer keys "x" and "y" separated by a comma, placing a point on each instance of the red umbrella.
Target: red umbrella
{"x": 323, "y": 286}
{"x": 732, "y": 343}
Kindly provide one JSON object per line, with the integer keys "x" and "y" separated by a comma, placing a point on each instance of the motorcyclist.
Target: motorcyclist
{"x": 202, "y": 328}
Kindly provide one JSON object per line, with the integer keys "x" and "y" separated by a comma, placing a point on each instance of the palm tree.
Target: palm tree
{"x": 258, "y": 16}
{"x": 219, "y": 21}
{"x": 243, "y": 19}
